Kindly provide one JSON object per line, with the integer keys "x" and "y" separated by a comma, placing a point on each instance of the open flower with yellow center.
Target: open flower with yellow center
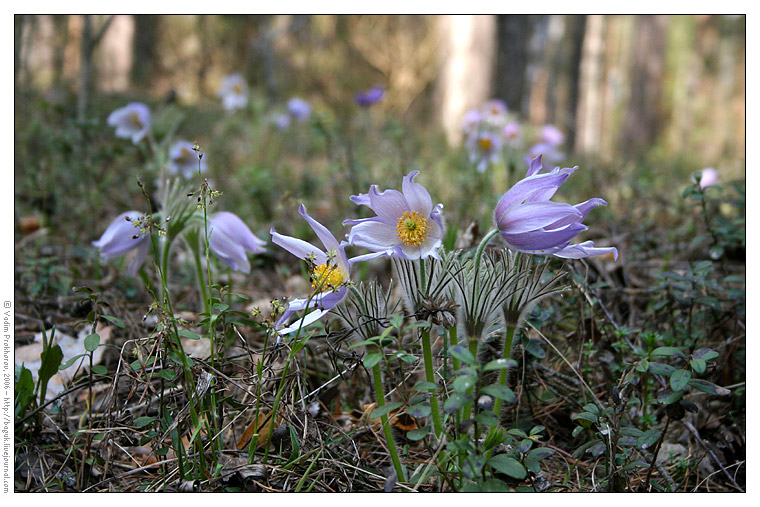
{"x": 484, "y": 149}
{"x": 131, "y": 121}
{"x": 184, "y": 160}
{"x": 329, "y": 276}
{"x": 407, "y": 225}
{"x": 233, "y": 92}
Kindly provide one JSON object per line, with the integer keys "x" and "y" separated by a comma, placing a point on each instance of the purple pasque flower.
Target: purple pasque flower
{"x": 369, "y": 97}
{"x": 329, "y": 277}
{"x": 281, "y": 121}
{"x": 495, "y": 112}
{"x": 707, "y": 177}
{"x": 299, "y": 109}
{"x": 471, "y": 120}
{"x": 512, "y": 133}
{"x": 407, "y": 225}
{"x": 230, "y": 239}
{"x": 131, "y": 121}
{"x": 550, "y": 155}
{"x": 552, "y": 136}
{"x": 529, "y": 222}
{"x": 484, "y": 148}
{"x": 233, "y": 92}
{"x": 184, "y": 160}
{"x": 124, "y": 235}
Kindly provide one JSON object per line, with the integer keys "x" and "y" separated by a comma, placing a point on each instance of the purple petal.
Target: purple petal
{"x": 529, "y": 189}
{"x": 535, "y": 166}
{"x": 298, "y": 247}
{"x": 139, "y": 258}
{"x": 361, "y": 200}
{"x": 543, "y": 239}
{"x": 585, "y": 249}
{"x": 428, "y": 248}
{"x": 417, "y": 197}
{"x": 366, "y": 257}
{"x": 324, "y": 235}
{"x": 536, "y": 215}
{"x": 228, "y": 250}
{"x": 236, "y": 229}
{"x": 389, "y": 205}
{"x": 375, "y": 236}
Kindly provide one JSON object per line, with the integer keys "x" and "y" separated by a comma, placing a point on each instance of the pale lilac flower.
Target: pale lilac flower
{"x": 230, "y": 239}
{"x": 131, "y": 121}
{"x": 471, "y": 120}
{"x": 484, "y": 149}
{"x": 529, "y": 222}
{"x": 369, "y": 97}
{"x": 184, "y": 160}
{"x": 495, "y": 112}
{"x": 512, "y": 133}
{"x": 550, "y": 155}
{"x": 233, "y": 92}
{"x": 707, "y": 178}
{"x": 281, "y": 121}
{"x": 407, "y": 225}
{"x": 330, "y": 272}
{"x": 122, "y": 236}
{"x": 299, "y": 109}
{"x": 552, "y": 136}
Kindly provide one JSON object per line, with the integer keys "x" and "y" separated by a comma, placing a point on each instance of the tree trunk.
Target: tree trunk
{"x": 513, "y": 34}
{"x": 145, "y": 50}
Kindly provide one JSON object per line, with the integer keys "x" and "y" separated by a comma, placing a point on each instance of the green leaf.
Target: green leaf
{"x": 508, "y": 466}
{"x": 541, "y": 453}
{"x": 642, "y": 365}
{"x": 167, "y": 374}
{"x": 70, "y": 361}
{"x": 533, "y": 347}
{"x": 668, "y": 352}
{"x": 667, "y": 397}
{"x": 385, "y": 409}
{"x": 371, "y": 360}
{"x": 455, "y": 402}
{"x": 500, "y": 364}
{"x": 661, "y": 369}
{"x": 425, "y": 387}
{"x": 419, "y": 410}
{"x": 463, "y": 382}
{"x": 501, "y": 392}
{"x": 115, "y": 320}
{"x": 92, "y": 342}
{"x": 50, "y": 361}
{"x": 708, "y": 387}
{"x": 679, "y": 379}
{"x": 698, "y": 365}
{"x": 705, "y": 354}
{"x": 462, "y": 354}
{"x": 418, "y": 434}
{"x": 99, "y": 369}
{"x": 24, "y": 392}
{"x": 487, "y": 418}
{"x": 189, "y": 334}
{"x": 586, "y": 419}
{"x": 144, "y": 421}
{"x": 648, "y": 439}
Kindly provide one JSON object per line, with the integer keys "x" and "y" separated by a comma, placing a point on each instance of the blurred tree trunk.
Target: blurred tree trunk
{"x": 467, "y": 45}
{"x": 643, "y": 121}
{"x": 576, "y": 30}
{"x": 61, "y": 23}
{"x": 589, "y": 109}
{"x": 145, "y": 50}
{"x": 89, "y": 43}
{"x": 513, "y": 34}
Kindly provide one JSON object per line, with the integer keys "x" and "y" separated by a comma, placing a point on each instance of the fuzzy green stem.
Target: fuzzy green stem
{"x": 430, "y": 377}
{"x": 503, "y": 373}
{"x": 380, "y": 397}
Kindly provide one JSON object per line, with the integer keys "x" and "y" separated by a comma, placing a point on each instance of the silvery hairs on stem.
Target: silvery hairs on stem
{"x": 426, "y": 286}
{"x": 366, "y": 309}
{"x": 528, "y": 287}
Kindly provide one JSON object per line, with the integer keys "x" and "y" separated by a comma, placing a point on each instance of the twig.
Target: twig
{"x": 694, "y": 432}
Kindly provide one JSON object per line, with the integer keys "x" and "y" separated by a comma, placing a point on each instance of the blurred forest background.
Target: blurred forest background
{"x": 616, "y": 85}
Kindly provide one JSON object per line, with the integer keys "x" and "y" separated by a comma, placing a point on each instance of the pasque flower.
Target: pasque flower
{"x": 484, "y": 149}
{"x": 299, "y": 109}
{"x": 707, "y": 177}
{"x": 233, "y": 92}
{"x": 529, "y": 222}
{"x": 131, "y": 121}
{"x": 230, "y": 239}
{"x": 184, "y": 160}
{"x": 329, "y": 276}
{"x": 407, "y": 225}
{"x": 369, "y": 97}
{"x": 124, "y": 235}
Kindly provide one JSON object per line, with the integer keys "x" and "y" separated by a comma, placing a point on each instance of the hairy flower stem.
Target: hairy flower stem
{"x": 503, "y": 373}
{"x": 429, "y": 376}
{"x": 380, "y": 398}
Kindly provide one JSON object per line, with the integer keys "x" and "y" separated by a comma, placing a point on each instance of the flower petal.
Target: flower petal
{"x": 585, "y": 249}
{"x": 417, "y": 196}
{"x": 298, "y": 247}
{"x": 543, "y": 239}
{"x": 375, "y": 236}
{"x": 324, "y": 235}
{"x": 389, "y": 205}
{"x": 234, "y": 227}
{"x": 536, "y": 215}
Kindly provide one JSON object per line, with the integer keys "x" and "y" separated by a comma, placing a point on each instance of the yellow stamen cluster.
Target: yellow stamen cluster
{"x": 412, "y": 228}
{"x": 485, "y": 144}
{"x": 326, "y": 277}
{"x": 135, "y": 119}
